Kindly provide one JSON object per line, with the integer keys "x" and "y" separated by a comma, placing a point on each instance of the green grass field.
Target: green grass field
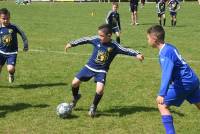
{"x": 44, "y": 74}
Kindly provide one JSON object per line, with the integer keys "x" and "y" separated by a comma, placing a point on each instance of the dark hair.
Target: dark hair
{"x": 115, "y": 3}
{"x": 5, "y": 11}
{"x": 158, "y": 31}
{"x": 106, "y": 29}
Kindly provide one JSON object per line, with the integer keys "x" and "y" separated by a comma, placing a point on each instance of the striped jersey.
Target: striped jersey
{"x": 113, "y": 18}
{"x": 173, "y": 5}
{"x": 8, "y": 39}
{"x": 103, "y": 53}
{"x": 161, "y": 7}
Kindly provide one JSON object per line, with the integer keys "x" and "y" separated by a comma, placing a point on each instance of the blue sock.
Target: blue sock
{"x": 167, "y": 121}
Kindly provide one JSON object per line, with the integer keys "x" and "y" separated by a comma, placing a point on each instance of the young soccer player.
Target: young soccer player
{"x": 161, "y": 12}
{"x": 113, "y": 19}
{"x": 9, "y": 43}
{"x": 134, "y": 10}
{"x": 142, "y": 3}
{"x": 105, "y": 50}
{"x": 178, "y": 82}
{"x": 174, "y": 6}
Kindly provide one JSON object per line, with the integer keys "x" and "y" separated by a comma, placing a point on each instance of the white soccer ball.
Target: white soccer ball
{"x": 63, "y": 110}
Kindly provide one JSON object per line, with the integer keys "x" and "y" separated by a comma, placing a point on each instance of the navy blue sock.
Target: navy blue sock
{"x": 164, "y": 22}
{"x": 167, "y": 121}
{"x": 118, "y": 39}
{"x": 97, "y": 99}
{"x": 75, "y": 92}
{"x": 175, "y": 23}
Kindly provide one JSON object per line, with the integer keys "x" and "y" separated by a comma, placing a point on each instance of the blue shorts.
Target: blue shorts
{"x": 173, "y": 13}
{"x": 176, "y": 95}
{"x": 9, "y": 59}
{"x": 86, "y": 74}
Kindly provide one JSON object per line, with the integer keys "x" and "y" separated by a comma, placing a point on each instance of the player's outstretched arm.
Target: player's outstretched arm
{"x": 140, "y": 57}
{"x": 130, "y": 52}
{"x": 67, "y": 46}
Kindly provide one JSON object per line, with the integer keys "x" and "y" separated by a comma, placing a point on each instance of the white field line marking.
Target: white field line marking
{"x": 71, "y": 53}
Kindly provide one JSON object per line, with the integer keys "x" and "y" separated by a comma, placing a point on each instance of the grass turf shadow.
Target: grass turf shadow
{"x": 5, "y": 109}
{"x": 34, "y": 86}
{"x": 121, "y": 111}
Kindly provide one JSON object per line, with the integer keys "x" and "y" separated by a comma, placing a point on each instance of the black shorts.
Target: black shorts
{"x": 160, "y": 14}
{"x": 134, "y": 8}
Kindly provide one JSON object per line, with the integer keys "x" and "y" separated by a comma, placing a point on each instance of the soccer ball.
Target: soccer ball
{"x": 63, "y": 110}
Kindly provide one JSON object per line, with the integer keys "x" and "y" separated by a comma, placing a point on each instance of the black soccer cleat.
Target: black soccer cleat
{"x": 74, "y": 101}
{"x": 92, "y": 111}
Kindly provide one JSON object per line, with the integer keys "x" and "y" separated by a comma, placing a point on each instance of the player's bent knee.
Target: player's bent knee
{"x": 100, "y": 91}
{"x": 76, "y": 82}
{"x": 11, "y": 69}
{"x": 162, "y": 107}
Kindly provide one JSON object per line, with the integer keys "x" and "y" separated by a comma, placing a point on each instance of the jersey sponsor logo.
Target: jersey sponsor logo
{"x": 6, "y": 39}
{"x": 102, "y": 56}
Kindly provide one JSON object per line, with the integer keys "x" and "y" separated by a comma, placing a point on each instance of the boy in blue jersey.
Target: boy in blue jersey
{"x": 174, "y": 6}
{"x": 9, "y": 43}
{"x": 105, "y": 50}
{"x": 134, "y": 10}
{"x": 113, "y": 19}
{"x": 178, "y": 82}
{"x": 161, "y": 12}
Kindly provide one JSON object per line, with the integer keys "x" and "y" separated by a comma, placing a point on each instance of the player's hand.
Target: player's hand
{"x": 160, "y": 100}
{"x": 25, "y": 49}
{"x": 67, "y": 47}
{"x": 140, "y": 57}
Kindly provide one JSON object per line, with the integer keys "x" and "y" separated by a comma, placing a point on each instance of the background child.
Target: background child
{"x": 134, "y": 9}
{"x": 161, "y": 12}
{"x": 113, "y": 19}
{"x": 9, "y": 43}
{"x": 174, "y": 6}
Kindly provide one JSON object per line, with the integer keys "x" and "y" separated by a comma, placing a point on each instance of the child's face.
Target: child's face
{"x": 152, "y": 40}
{"x": 114, "y": 7}
{"x": 4, "y": 19}
{"x": 103, "y": 37}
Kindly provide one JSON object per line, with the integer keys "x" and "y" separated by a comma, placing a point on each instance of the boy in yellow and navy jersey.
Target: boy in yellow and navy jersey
{"x": 9, "y": 43}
